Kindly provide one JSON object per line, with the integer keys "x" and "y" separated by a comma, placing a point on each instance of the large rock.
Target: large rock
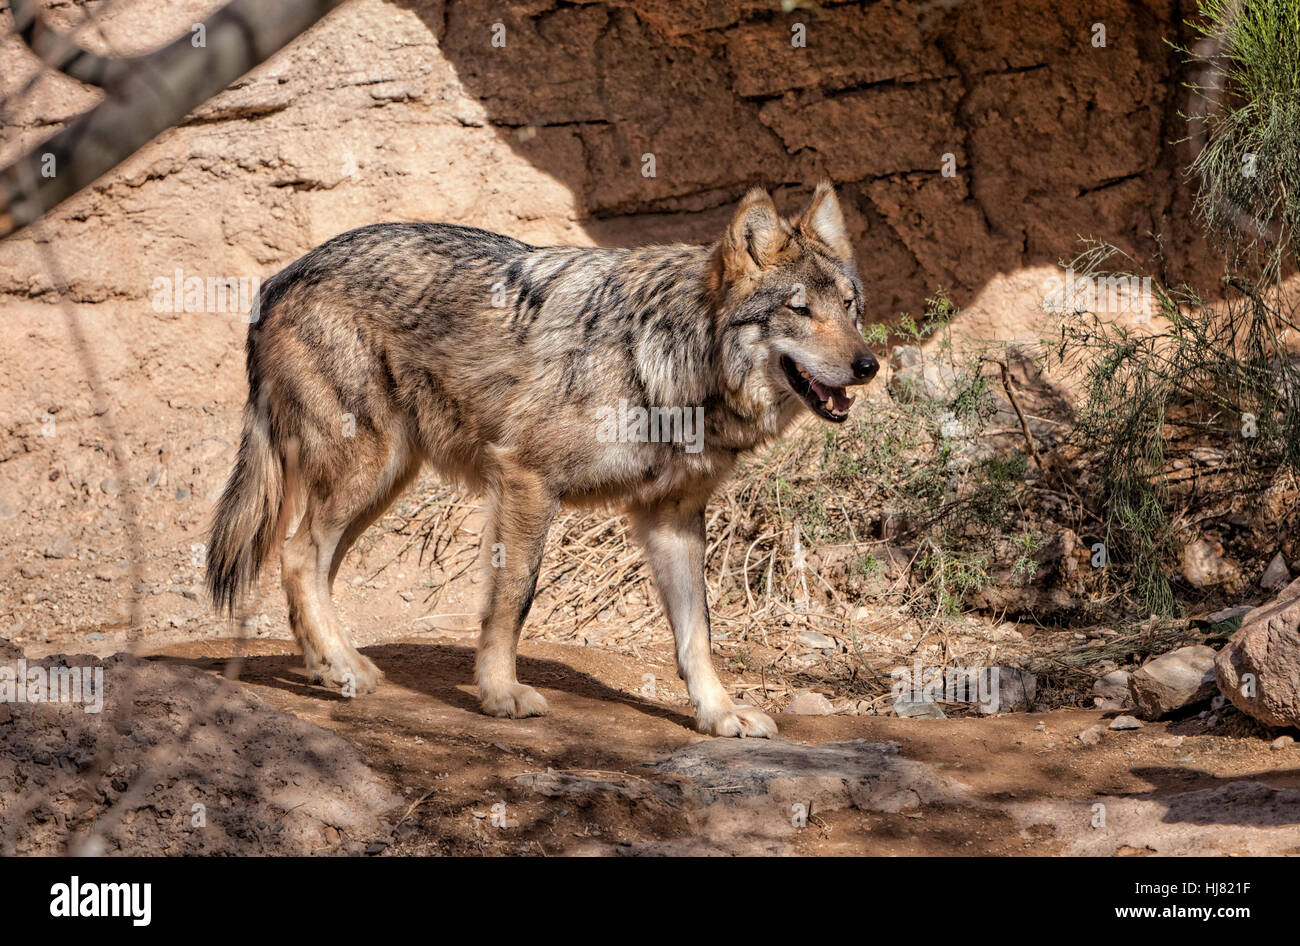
{"x": 1259, "y": 669}
{"x": 1177, "y": 680}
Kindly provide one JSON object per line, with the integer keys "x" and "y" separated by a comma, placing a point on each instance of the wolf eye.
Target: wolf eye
{"x": 798, "y": 309}
{"x": 848, "y": 304}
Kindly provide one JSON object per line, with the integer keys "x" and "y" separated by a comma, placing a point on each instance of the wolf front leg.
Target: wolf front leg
{"x": 673, "y": 536}
{"x": 522, "y": 510}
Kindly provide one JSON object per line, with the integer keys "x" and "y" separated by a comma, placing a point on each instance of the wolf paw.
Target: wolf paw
{"x": 350, "y": 671}
{"x": 514, "y": 700}
{"x": 739, "y": 721}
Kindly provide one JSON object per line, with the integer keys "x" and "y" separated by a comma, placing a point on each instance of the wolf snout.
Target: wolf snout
{"x": 864, "y": 368}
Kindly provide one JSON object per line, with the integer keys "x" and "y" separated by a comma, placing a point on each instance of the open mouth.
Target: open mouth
{"x": 824, "y": 400}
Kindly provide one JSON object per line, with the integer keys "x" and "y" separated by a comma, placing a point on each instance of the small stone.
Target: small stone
{"x": 1174, "y": 681}
{"x": 1016, "y": 690}
{"x": 1227, "y": 614}
{"x": 182, "y": 493}
{"x": 108, "y": 485}
{"x": 406, "y": 596}
{"x": 818, "y": 641}
{"x": 915, "y": 377}
{"x": 809, "y": 703}
{"x": 32, "y": 570}
{"x": 1276, "y": 575}
{"x": 1205, "y": 566}
{"x": 61, "y": 547}
{"x": 1112, "y": 686}
{"x": 1125, "y": 722}
{"x": 1282, "y": 742}
{"x": 1091, "y": 736}
{"x": 1171, "y": 742}
{"x": 909, "y": 710}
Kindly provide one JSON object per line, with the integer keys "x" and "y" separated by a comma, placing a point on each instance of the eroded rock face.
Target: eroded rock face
{"x": 1259, "y": 669}
{"x": 969, "y": 140}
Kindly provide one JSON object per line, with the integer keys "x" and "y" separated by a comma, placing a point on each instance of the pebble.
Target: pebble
{"x": 1125, "y": 722}
{"x": 909, "y": 710}
{"x": 1091, "y": 736}
{"x": 61, "y": 547}
{"x": 818, "y": 641}
{"x": 809, "y": 703}
{"x": 1282, "y": 742}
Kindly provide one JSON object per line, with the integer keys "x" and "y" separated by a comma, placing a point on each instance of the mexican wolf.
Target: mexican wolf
{"x": 399, "y": 344}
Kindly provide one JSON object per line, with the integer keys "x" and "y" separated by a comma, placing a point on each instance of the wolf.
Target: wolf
{"x": 400, "y": 344}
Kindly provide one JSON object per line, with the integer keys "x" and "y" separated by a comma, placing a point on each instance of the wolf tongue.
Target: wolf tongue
{"x": 821, "y": 392}
{"x": 842, "y": 401}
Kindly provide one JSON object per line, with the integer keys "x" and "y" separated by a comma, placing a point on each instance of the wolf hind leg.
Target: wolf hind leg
{"x": 521, "y": 515}
{"x": 311, "y": 559}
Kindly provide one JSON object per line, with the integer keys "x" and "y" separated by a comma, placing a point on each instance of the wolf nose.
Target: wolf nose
{"x": 865, "y": 367}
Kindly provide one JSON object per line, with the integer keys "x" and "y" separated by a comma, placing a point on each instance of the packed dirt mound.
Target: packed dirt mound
{"x": 177, "y": 761}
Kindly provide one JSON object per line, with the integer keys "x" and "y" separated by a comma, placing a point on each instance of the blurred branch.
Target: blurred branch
{"x": 144, "y": 95}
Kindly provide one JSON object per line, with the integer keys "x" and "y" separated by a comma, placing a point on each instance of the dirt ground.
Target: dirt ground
{"x": 282, "y": 766}
{"x": 416, "y": 769}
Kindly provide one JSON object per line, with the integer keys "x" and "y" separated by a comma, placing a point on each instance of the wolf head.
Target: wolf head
{"x": 790, "y": 306}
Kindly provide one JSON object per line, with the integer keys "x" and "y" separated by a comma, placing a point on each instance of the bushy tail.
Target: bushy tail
{"x": 247, "y": 519}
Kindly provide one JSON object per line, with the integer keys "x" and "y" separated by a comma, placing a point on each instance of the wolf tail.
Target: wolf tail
{"x": 251, "y": 514}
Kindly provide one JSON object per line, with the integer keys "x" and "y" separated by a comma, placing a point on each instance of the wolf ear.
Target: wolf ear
{"x": 755, "y": 237}
{"x": 822, "y": 220}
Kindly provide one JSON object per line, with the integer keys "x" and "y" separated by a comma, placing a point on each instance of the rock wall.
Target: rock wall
{"x": 407, "y": 110}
